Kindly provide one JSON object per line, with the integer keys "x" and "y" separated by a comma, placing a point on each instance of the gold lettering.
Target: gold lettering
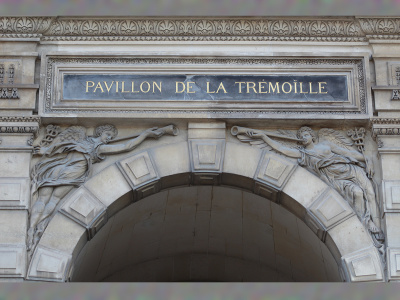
{"x": 301, "y": 89}
{"x": 321, "y": 87}
{"x": 176, "y": 87}
{"x": 116, "y": 87}
{"x": 283, "y": 87}
{"x": 133, "y": 88}
{"x": 87, "y": 85}
{"x": 240, "y": 86}
{"x": 148, "y": 87}
{"x": 189, "y": 87}
{"x": 295, "y": 86}
{"x": 108, "y": 88}
{"x": 208, "y": 88}
{"x": 123, "y": 87}
{"x": 251, "y": 87}
{"x": 98, "y": 86}
{"x": 260, "y": 87}
{"x": 273, "y": 88}
{"x": 311, "y": 92}
{"x": 221, "y": 86}
{"x": 155, "y": 84}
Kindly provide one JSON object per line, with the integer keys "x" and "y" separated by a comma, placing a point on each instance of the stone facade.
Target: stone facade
{"x": 207, "y": 188}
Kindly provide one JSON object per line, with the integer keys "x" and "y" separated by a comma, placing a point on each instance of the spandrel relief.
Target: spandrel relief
{"x": 337, "y": 159}
{"x": 66, "y": 159}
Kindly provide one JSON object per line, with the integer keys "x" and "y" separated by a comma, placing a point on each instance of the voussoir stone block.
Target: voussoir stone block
{"x": 207, "y": 155}
{"x": 108, "y": 185}
{"x": 83, "y": 207}
{"x": 139, "y": 169}
{"x": 49, "y": 265}
{"x": 337, "y": 238}
{"x": 330, "y": 209}
{"x": 65, "y": 235}
{"x": 274, "y": 170}
{"x": 171, "y": 159}
{"x": 363, "y": 265}
{"x": 241, "y": 159}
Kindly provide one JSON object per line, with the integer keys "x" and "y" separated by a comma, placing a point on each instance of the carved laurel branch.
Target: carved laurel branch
{"x": 204, "y": 28}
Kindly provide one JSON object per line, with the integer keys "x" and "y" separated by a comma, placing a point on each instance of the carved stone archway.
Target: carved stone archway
{"x": 155, "y": 169}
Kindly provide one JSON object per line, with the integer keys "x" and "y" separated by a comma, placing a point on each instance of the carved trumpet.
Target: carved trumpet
{"x": 243, "y": 130}
{"x": 170, "y": 130}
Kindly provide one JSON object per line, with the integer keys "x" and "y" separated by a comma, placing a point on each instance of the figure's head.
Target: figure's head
{"x": 106, "y": 132}
{"x": 306, "y": 134}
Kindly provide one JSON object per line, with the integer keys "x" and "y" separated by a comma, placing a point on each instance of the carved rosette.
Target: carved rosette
{"x": 24, "y": 26}
{"x": 380, "y": 27}
{"x": 200, "y": 29}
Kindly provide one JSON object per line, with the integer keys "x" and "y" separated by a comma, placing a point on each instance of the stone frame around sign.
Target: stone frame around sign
{"x": 56, "y": 65}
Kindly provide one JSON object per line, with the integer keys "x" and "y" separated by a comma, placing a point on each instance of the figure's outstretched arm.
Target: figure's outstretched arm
{"x": 275, "y": 145}
{"x": 132, "y": 143}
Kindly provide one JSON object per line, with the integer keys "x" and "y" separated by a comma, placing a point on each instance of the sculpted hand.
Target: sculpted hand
{"x": 369, "y": 168}
{"x": 255, "y": 134}
{"x": 38, "y": 150}
{"x": 154, "y": 133}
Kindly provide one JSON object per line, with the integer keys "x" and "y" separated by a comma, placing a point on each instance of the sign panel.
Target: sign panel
{"x": 306, "y": 88}
{"x": 212, "y": 87}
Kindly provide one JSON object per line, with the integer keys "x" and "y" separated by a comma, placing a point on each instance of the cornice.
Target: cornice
{"x": 19, "y": 124}
{"x": 385, "y": 121}
{"x": 24, "y": 119}
{"x": 345, "y": 29}
{"x": 385, "y": 126}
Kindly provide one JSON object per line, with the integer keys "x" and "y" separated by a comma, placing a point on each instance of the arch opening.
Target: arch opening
{"x": 113, "y": 191}
{"x": 205, "y": 233}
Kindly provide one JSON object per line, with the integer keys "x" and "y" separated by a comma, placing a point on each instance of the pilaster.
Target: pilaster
{"x": 387, "y": 134}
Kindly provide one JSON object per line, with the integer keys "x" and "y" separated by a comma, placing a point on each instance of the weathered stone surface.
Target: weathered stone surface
{"x": 203, "y": 206}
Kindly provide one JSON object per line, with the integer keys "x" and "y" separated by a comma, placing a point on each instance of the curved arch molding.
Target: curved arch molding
{"x": 205, "y": 162}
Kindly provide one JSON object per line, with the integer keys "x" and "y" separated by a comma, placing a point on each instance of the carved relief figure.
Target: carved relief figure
{"x": 66, "y": 163}
{"x": 334, "y": 161}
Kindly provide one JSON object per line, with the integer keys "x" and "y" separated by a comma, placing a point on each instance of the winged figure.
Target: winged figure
{"x": 331, "y": 156}
{"x": 66, "y": 161}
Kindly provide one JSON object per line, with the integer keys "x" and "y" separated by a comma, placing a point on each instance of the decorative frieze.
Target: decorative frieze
{"x": 11, "y": 125}
{"x": 395, "y": 95}
{"x": 385, "y": 126}
{"x": 20, "y": 119}
{"x": 27, "y": 26}
{"x": 345, "y": 29}
{"x": 9, "y": 93}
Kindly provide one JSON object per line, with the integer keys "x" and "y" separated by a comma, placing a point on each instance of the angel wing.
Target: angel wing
{"x": 73, "y": 133}
{"x": 327, "y": 134}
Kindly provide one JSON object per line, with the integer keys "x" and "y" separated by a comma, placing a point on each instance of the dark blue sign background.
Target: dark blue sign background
{"x": 325, "y": 88}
